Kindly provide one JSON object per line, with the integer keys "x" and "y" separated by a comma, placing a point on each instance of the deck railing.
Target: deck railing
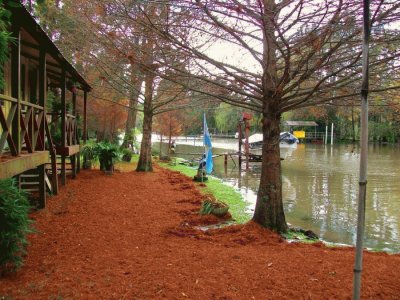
{"x": 30, "y": 130}
{"x": 71, "y": 130}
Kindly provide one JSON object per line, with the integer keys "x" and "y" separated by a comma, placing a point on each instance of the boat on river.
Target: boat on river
{"x": 287, "y": 144}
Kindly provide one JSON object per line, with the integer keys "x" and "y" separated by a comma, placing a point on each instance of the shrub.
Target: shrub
{"x": 127, "y": 155}
{"x": 108, "y": 154}
{"x": 14, "y": 225}
{"x": 88, "y": 154}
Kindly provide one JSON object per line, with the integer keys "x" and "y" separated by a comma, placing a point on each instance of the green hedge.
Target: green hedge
{"x": 14, "y": 225}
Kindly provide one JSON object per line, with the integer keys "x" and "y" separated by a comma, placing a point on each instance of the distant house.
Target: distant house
{"x": 28, "y": 150}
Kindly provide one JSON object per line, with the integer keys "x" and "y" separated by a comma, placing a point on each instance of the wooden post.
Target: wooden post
{"x": 240, "y": 144}
{"x": 85, "y": 136}
{"x": 63, "y": 125}
{"x": 76, "y": 155}
{"x": 73, "y": 165}
{"x": 74, "y": 101}
{"x": 53, "y": 155}
{"x": 42, "y": 186}
{"x": 42, "y": 102}
{"x": 16, "y": 81}
{"x": 42, "y": 93}
{"x": 225, "y": 159}
{"x": 246, "y": 147}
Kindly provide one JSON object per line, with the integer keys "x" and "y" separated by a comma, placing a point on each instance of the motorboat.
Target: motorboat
{"x": 287, "y": 144}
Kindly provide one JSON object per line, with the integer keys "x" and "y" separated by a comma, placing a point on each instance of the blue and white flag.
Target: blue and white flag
{"x": 207, "y": 148}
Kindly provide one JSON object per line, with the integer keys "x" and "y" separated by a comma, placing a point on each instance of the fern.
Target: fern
{"x": 14, "y": 224}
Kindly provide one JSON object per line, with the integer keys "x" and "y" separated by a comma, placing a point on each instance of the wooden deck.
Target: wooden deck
{"x": 14, "y": 165}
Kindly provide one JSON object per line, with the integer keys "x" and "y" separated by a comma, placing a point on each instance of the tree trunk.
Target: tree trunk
{"x": 144, "y": 163}
{"x": 269, "y": 207}
{"x": 169, "y": 136}
{"x": 137, "y": 81}
{"x": 131, "y": 120}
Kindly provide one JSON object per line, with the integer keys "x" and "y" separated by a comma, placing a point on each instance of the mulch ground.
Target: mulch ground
{"x": 133, "y": 236}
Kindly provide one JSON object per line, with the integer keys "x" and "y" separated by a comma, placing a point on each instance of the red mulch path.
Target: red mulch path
{"x": 131, "y": 236}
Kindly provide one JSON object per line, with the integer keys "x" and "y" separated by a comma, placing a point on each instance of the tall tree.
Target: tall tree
{"x": 278, "y": 56}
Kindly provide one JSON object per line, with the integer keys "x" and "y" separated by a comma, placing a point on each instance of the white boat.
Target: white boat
{"x": 287, "y": 144}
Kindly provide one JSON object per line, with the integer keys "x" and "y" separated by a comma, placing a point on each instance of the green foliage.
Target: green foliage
{"x": 215, "y": 207}
{"x": 108, "y": 154}
{"x": 299, "y": 235}
{"x": 130, "y": 139}
{"x": 206, "y": 208}
{"x": 5, "y": 39}
{"x": 383, "y": 132}
{"x": 88, "y": 150}
{"x": 227, "y": 117}
{"x": 126, "y": 155}
{"x": 53, "y": 105}
{"x": 88, "y": 154}
{"x": 14, "y": 224}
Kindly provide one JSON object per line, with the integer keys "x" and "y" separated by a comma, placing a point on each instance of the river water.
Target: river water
{"x": 320, "y": 189}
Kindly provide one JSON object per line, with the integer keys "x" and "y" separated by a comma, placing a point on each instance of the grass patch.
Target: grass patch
{"x": 218, "y": 189}
{"x": 125, "y": 166}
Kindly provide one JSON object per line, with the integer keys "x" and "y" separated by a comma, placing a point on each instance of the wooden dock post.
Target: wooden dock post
{"x": 240, "y": 143}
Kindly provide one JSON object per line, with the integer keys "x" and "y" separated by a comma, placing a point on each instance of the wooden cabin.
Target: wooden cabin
{"x": 39, "y": 145}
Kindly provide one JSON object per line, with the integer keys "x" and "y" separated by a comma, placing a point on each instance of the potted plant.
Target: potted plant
{"x": 127, "y": 155}
{"x": 214, "y": 207}
{"x": 88, "y": 154}
{"x": 107, "y": 154}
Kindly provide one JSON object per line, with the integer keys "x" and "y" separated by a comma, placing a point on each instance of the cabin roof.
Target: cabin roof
{"x": 30, "y": 26}
{"x": 300, "y": 123}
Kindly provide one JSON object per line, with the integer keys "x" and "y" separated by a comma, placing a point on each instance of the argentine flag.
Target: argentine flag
{"x": 207, "y": 148}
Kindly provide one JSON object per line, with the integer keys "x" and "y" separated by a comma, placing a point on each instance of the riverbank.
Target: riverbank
{"x": 133, "y": 236}
{"x": 320, "y": 191}
{"x": 216, "y": 187}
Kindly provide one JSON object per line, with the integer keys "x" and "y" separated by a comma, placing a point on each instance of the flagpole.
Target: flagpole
{"x": 204, "y": 145}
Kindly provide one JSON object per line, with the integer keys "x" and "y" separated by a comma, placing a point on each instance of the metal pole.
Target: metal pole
{"x": 363, "y": 157}
{"x": 332, "y": 134}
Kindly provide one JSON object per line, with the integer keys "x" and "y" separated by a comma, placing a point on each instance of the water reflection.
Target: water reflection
{"x": 320, "y": 190}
